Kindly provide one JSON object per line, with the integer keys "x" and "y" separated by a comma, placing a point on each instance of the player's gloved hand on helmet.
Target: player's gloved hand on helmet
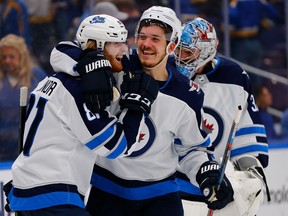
{"x": 7, "y": 188}
{"x": 96, "y": 78}
{"x": 131, "y": 62}
{"x": 139, "y": 90}
{"x": 207, "y": 177}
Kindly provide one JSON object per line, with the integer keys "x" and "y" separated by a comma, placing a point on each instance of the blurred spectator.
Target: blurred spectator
{"x": 102, "y": 7}
{"x": 41, "y": 20}
{"x": 283, "y": 135}
{"x": 14, "y": 19}
{"x": 16, "y": 70}
{"x": 109, "y": 8}
{"x": 247, "y": 19}
{"x": 63, "y": 18}
{"x": 284, "y": 125}
{"x": 129, "y": 7}
{"x": 143, "y": 5}
{"x": 264, "y": 100}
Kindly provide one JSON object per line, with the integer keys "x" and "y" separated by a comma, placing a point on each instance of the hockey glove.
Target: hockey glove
{"x": 131, "y": 62}
{"x": 96, "y": 79}
{"x": 207, "y": 177}
{"x": 139, "y": 90}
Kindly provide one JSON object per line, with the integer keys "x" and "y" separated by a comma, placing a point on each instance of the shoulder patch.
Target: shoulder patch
{"x": 194, "y": 87}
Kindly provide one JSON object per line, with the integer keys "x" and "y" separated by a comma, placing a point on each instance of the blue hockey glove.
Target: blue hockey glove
{"x": 139, "y": 90}
{"x": 207, "y": 177}
{"x": 96, "y": 79}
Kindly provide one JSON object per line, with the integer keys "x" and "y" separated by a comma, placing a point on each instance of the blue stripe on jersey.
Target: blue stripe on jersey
{"x": 100, "y": 138}
{"x": 44, "y": 200}
{"x": 206, "y": 143}
{"x": 188, "y": 187}
{"x": 251, "y": 130}
{"x": 140, "y": 193}
{"x": 119, "y": 150}
{"x": 251, "y": 148}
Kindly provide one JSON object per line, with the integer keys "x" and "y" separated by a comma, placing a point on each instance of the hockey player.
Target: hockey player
{"x": 226, "y": 86}
{"x": 144, "y": 183}
{"x": 67, "y": 124}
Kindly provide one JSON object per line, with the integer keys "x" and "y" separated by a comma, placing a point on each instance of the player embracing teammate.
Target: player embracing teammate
{"x": 163, "y": 132}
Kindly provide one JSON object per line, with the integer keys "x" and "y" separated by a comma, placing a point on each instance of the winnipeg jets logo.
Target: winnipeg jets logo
{"x": 146, "y": 138}
{"x": 194, "y": 87}
{"x": 213, "y": 125}
{"x": 141, "y": 137}
{"x": 97, "y": 19}
{"x": 208, "y": 128}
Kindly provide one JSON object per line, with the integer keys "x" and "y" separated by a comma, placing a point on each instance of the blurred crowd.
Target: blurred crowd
{"x": 35, "y": 27}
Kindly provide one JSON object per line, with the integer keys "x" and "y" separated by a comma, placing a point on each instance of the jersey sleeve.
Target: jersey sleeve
{"x": 250, "y": 137}
{"x": 64, "y": 56}
{"x": 192, "y": 152}
{"x": 58, "y": 103}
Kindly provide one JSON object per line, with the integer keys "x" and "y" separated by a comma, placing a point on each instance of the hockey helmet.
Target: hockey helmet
{"x": 198, "y": 36}
{"x": 101, "y": 28}
{"x": 163, "y": 15}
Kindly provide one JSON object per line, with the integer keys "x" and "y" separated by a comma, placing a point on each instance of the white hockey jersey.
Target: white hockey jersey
{"x": 61, "y": 139}
{"x": 150, "y": 170}
{"x": 226, "y": 86}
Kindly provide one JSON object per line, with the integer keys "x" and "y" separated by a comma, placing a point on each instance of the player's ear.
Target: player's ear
{"x": 170, "y": 47}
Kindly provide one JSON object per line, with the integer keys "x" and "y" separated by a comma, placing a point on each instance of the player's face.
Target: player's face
{"x": 114, "y": 51}
{"x": 151, "y": 44}
{"x": 187, "y": 55}
{"x": 10, "y": 60}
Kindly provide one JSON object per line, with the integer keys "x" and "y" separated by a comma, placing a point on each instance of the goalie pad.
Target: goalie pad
{"x": 248, "y": 196}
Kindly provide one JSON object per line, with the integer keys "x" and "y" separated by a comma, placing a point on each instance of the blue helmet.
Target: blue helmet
{"x": 200, "y": 41}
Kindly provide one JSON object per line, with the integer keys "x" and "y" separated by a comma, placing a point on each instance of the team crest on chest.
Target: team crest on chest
{"x": 213, "y": 125}
{"x": 146, "y": 138}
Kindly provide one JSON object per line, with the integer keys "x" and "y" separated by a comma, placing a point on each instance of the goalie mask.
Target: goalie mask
{"x": 101, "y": 28}
{"x": 198, "y": 46}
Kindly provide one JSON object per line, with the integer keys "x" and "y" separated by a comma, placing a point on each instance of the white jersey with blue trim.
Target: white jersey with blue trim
{"x": 149, "y": 171}
{"x": 61, "y": 140}
{"x": 226, "y": 86}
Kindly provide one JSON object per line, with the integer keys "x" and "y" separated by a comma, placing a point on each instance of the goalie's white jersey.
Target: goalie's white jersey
{"x": 226, "y": 86}
{"x": 61, "y": 140}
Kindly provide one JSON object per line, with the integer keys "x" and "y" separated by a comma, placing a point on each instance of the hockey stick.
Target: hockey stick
{"x": 227, "y": 151}
{"x": 22, "y": 116}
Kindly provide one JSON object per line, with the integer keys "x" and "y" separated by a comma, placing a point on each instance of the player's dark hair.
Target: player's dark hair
{"x": 152, "y": 22}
